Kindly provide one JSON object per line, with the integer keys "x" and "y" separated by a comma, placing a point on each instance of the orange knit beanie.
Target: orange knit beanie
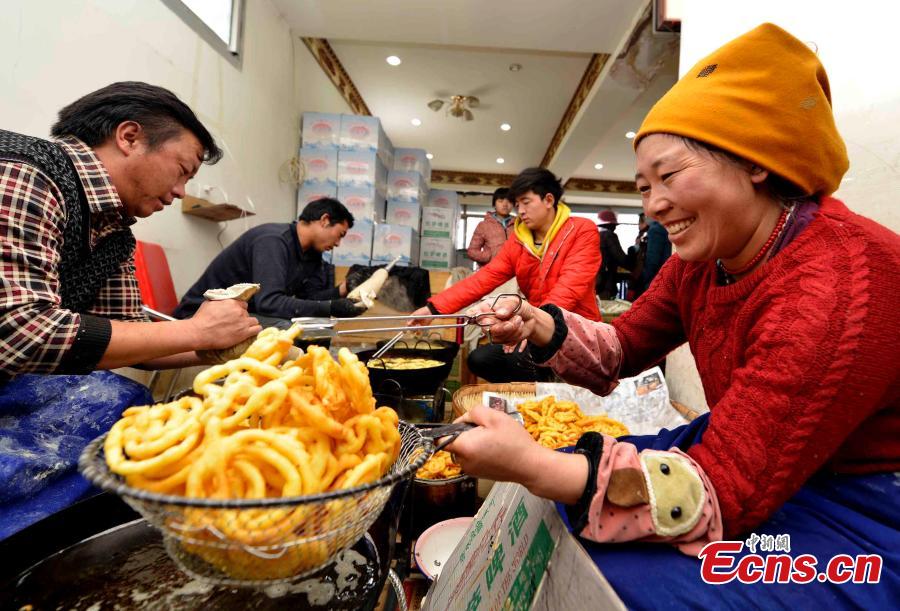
{"x": 764, "y": 97}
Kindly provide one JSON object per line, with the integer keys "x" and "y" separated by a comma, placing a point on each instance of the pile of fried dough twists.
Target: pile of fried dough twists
{"x": 271, "y": 427}
{"x": 558, "y": 424}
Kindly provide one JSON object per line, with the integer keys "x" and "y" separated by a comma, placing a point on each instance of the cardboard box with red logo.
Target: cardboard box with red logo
{"x": 320, "y": 130}
{"x": 312, "y": 191}
{"x": 365, "y": 203}
{"x": 361, "y": 169}
{"x": 404, "y": 213}
{"x": 392, "y": 241}
{"x": 359, "y": 133}
{"x": 412, "y": 160}
{"x": 319, "y": 164}
{"x": 407, "y": 187}
{"x": 356, "y": 246}
{"x": 442, "y": 198}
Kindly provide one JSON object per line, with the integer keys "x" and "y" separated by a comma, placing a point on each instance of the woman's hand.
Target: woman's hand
{"x": 529, "y": 323}
{"x": 501, "y": 449}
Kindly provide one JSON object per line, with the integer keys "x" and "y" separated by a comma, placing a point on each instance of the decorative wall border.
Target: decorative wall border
{"x": 481, "y": 179}
{"x": 594, "y": 185}
{"x": 594, "y": 67}
{"x": 332, "y": 67}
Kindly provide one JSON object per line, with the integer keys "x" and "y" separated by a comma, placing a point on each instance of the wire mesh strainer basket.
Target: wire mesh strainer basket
{"x": 250, "y": 542}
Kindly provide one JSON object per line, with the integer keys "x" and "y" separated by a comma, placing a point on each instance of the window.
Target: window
{"x": 219, "y": 22}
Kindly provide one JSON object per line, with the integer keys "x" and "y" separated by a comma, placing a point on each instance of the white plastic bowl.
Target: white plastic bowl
{"x": 434, "y": 546}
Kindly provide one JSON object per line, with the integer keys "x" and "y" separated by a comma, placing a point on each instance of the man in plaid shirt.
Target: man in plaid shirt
{"x": 69, "y": 301}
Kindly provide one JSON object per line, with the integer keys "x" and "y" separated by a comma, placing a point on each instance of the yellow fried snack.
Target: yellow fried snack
{"x": 261, "y": 427}
{"x": 558, "y": 424}
{"x": 439, "y": 466}
{"x": 400, "y": 362}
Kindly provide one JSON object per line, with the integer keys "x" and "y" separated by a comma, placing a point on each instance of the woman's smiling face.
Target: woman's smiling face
{"x": 709, "y": 205}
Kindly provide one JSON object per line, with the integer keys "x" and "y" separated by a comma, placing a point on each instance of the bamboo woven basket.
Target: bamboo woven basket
{"x": 469, "y": 396}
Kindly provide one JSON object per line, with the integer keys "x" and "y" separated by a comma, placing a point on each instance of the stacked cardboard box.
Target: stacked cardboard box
{"x": 356, "y": 246}
{"x": 404, "y": 213}
{"x": 413, "y": 160}
{"x": 347, "y": 157}
{"x": 318, "y": 157}
{"x": 392, "y": 241}
{"x": 439, "y": 224}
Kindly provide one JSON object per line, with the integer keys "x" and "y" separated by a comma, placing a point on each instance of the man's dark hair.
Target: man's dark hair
{"x": 501, "y": 193}
{"x": 539, "y": 180}
{"x": 336, "y": 211}
{"x": 95, "y": 117}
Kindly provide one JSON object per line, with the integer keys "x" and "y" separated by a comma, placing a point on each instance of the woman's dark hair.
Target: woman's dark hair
{"x": 538, "y": 180}
{"x": 780, "y": 188}
{"x": 95, "y": 117}
{"x": 501, "y": 193}
{"x": 336, "y": 211}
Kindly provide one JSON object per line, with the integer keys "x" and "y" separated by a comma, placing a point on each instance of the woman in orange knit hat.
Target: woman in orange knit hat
{"x": 789, "y": 303}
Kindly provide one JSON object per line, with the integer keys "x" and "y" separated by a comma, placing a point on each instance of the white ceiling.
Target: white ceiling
{"x": 466, "y": 47}
{"x": 531, "y": 100}
{"x": 622, "y": 109}
{"x": 580, "y": 26}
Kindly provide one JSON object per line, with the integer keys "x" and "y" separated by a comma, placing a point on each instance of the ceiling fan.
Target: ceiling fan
{"x": 459, "y": 106}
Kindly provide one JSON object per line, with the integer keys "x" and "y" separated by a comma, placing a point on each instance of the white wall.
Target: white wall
{"x": 57, "y": 50}
{"x": 857, "y": 44}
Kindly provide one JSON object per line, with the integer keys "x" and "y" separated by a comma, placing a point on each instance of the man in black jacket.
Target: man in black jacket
{"x": 285, "y": 259}
{"x": 613, "y": 257}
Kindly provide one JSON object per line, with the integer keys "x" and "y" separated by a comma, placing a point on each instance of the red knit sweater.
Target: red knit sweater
{"x": 800, "y": 360}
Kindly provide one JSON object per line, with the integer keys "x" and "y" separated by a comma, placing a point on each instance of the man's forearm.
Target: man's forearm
{"x": 135, "y": 343}
{"x": 176, "y": 361}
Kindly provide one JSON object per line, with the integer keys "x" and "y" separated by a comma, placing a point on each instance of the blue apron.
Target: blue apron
{"x": 45, "y": 423}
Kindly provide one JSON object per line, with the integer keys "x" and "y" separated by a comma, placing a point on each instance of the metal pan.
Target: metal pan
{"x": 413, "y": 381}
{"x": 97, "y": 554}
{"x": 438, "y": 349}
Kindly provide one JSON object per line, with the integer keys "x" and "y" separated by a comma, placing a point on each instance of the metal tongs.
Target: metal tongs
{"x": 316, "y": 324}
{"x": 450, "y": 432}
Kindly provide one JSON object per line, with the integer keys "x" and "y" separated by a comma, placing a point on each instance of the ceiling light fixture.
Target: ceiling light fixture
{"x": 416, "y": 122}
{"x": 630, "y": 135}
{"x": 598, "y": 166}
{"x": 459, "y": 106}
{"x": 429, "y": 156}
{"x": 505, "y": 127}
{"x": 393, "y": 60}
{"x": 501, "y": 160}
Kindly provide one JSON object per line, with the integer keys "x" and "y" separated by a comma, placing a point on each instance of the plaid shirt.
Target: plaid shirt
{"x": 36, "y": 334}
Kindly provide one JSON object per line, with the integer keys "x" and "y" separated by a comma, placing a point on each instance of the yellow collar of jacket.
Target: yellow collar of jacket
{"x": 527, "y": 238}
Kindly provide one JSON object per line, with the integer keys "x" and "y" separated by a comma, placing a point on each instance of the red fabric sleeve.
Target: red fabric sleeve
{"x": 578, "y": 271}
{"x": 471, "y": 289}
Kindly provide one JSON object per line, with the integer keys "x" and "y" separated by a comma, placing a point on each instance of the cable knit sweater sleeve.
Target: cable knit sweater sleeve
{"x": 799, "y": 361}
